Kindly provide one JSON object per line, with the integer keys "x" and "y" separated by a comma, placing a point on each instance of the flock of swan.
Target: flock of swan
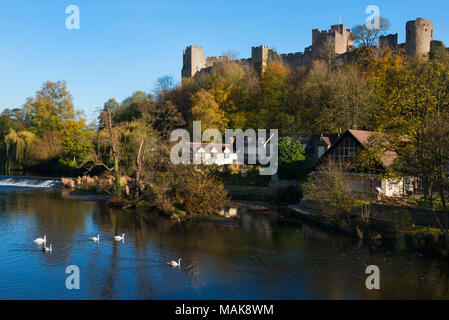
{"x": 43, "y": 242}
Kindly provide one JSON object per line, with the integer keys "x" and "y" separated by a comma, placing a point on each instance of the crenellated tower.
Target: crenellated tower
{"x": 193, "y": 61}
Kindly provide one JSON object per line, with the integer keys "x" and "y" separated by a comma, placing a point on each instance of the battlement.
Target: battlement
{"x": 419, "y": 38}
{"x": 419, "y": 41}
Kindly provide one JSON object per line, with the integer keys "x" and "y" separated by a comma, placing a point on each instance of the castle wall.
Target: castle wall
{"x": 389, "y": 41}
{"x": 419, "y": 40}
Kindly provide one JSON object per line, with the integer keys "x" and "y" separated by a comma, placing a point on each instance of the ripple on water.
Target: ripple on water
{"x": 216, "y": 263}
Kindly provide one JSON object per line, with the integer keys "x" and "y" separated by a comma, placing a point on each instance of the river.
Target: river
{"x": 264, "y": 256}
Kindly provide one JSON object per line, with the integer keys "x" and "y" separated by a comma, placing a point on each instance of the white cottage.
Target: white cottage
{"x": 212, "y": 153}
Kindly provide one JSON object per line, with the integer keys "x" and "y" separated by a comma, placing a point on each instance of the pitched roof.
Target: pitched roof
{"x": 363, "y": 138}
{"x": 208, "y": 147}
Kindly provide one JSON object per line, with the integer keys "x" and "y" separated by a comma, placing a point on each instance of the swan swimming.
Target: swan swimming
{"x": 118, "y": 238}
{"x": 47, "y": 249}
{"x": 40, "y": 240}
{"x": 96, "y": 239}
{"x": 174, "y": 263}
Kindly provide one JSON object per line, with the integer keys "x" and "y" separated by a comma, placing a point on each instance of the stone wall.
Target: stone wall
{"x": 388, "y": 214}
{"x": 419, "y": 40}
{"x": 417, "y": 216}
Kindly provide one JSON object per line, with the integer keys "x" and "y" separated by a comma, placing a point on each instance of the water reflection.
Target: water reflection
{"x": 263, "y": 257}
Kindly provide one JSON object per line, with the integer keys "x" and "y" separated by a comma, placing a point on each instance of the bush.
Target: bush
{"x": 332, "y": 184}
{"x": 200, "y": 194}
{"x": 186, "y": 188}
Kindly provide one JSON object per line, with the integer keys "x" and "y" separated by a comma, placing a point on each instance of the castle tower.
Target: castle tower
{"x": 419, "y": 35}
{"x": 259, "y": 57}
{"x": 388, "y": 42}
{"x": 338, "y": 35}
{"x": 193, "y": 61}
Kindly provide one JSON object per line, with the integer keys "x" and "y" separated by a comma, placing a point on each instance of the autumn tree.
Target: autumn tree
{"x": 274, "y": 99}
{"x": 50, "y": 108}
{"x": 351, "y": 101}
{"x": 207, "y": 110}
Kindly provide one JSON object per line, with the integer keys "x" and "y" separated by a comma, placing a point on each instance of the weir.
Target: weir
{"x": 29, "y": 182}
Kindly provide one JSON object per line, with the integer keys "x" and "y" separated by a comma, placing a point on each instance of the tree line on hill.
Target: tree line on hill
{"x": 391, "y": 93}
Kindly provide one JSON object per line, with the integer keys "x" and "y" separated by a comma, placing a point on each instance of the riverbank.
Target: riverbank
{"x": 404, "y": 227}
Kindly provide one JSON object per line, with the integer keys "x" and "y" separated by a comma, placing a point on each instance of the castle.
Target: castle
{"x": 338, "y": 41}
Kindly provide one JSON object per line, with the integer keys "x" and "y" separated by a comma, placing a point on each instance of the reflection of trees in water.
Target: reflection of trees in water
{"x": 111, "y": 274}
{"x": 342, "y": 263}
{"x": 48, "y": 211}
{"x": 258, "y": 223}
{"x": 59, "y": 220}
{"x": 143, "y": 281}
{"x": 263, "y": 247}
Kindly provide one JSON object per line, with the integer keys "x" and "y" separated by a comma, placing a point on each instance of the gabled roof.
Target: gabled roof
{"x": 202, "y": 147}
{"x": 363, "y": 138}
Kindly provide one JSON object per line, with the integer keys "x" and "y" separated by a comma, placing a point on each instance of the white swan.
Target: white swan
{"x": 47, "y": 249}
{"x": 40, "y": 240}
{"x": 97, "y": 238}
{"x": 118, "y": 238}
{"x": 174, "y": 263}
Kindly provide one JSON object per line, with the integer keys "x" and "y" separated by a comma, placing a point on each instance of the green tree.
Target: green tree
{"x": 292, "y": 159}
{"x": 17, "y": 144}
{"x": 75, "y": 140}
{"x": 50, "y": 108}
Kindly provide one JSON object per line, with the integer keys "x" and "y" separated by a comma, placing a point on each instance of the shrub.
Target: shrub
{"x": 200, "y": 194}
{"x": 332, "y": 184}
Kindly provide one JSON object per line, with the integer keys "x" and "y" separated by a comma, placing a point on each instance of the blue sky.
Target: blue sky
{"x": 124, "y": 46}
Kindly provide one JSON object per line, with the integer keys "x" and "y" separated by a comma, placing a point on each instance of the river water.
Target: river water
{"x": 264, "y": 256}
